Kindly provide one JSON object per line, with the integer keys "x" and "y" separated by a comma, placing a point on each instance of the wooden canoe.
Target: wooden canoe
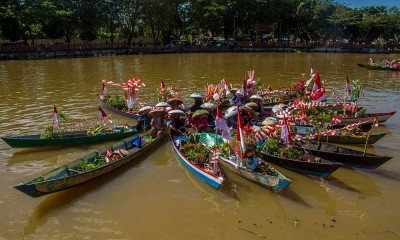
{"x": 346, "y": 139}
{"x": 71, "y": 174}
{"x": 301, "y": 129}
{"x": 67, "y": 139}
{"x": 205, "y": 172}
{"x": 373, "y": 138}
{"x": 264, "y": 174}
{"x": 315, "y": 167}
{"x": 348, "y": 157}
{"x": 377, "y": 67}
{"x": 132, "y": 115}
{"x": 381, "y": 117}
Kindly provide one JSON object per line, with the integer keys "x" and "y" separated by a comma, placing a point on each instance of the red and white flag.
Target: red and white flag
{"x": 240, "y": 133}
{"x": 220, "y": 123}
{"x": 55, "y": 117}
{"x": 285, "y": 135}
{"x": 108, "y": 155}
{"x": 336, "y": 120}
{"x": 162, "y": 90}
{"x": 101, "y": 113}
{"x": 376, "y": 123}
{"x": 104, "y": 89}
{"x": 224, "y": 83}
{"x": 348, "y": 86}
{"x": 318, "y": 92}
{"x": 162, "y": 85}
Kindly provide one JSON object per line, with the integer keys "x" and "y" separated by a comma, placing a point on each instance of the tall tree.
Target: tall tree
{"x": 130, "y": 16}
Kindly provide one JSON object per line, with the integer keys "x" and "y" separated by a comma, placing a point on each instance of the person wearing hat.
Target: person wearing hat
{"x": 143, "y": 123}
{"x": 158, "y": 122}
{"x": 199, "y": 120}
{"x": 177, "y": 124}
{"x": 259, "y": 101}
{"x": 198, "y": 101}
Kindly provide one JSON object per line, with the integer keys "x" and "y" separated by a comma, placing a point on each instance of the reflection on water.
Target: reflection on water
{"x": 157, "y": 198}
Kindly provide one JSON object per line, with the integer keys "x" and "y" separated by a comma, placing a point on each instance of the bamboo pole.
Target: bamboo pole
{"x": 369, "y": 134}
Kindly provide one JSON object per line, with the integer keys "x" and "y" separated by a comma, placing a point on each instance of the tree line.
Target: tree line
{"x": 169, "y": 20}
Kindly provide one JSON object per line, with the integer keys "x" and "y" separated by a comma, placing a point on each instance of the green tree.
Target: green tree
{"x": 130, "y": 17}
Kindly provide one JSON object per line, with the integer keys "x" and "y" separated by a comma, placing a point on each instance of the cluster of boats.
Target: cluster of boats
{"x": 246, "y": 131}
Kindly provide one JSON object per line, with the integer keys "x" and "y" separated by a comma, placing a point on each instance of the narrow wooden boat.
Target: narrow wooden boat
{"x": 115, "y": 110}
{"x": 343, "y": 139}
{"x": 69, "y": 138}
{"x": 308, "y": 164}
{"x": 73, "y": 173}
{"x": 348, "y": 157}
{"x": 208, "y": 172}
{"x": 373, "y": 138}
{"x": 264, "y": 174}
{"x": 268, "y": 105}
{"x": 377, "y": 67}
{"x": 301, "y": 129}
{"x": 381, "y": 117}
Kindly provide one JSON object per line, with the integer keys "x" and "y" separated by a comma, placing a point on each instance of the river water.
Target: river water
{"x": 156, "y": 197}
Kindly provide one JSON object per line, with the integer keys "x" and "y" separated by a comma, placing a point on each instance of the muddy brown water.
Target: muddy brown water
{"x": 156, "y": 197}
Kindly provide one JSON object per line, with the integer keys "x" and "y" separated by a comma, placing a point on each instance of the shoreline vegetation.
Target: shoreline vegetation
{"x": 46, "y": 52}
{"x": 39, "y": 29}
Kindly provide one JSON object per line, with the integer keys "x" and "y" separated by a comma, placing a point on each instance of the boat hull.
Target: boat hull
{"x": 271, "y": 182}
{"x": 380, "y": 117}
{"x": 115, "y": 110}
{"x": 368, "y": 66}
{"x": 347, "y": 157}
{"x": 373, "y": 138}
{"x": 213, "y": 180}
{"x": 34, "y": 141}
{"x": 320, "y": 169}
{"x": 276, "y": 182}
{"x": 66, "y": 176}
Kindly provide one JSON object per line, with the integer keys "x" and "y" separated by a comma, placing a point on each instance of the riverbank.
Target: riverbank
{"x": 93, "y": 52}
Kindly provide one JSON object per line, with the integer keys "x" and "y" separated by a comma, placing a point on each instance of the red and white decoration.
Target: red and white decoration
{"x": 220, "y": 123}
{"x": 318, "y": 92}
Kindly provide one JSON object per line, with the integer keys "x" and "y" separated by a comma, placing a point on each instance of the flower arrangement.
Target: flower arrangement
{"x": 131, "y": 89}
{"x": 166, "y": 93}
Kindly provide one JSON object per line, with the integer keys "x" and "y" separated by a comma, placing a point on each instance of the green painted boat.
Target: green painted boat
{"x": 69, "y": 138}
{"x": 73, "y": 173}
{"x": 377, "y": 67}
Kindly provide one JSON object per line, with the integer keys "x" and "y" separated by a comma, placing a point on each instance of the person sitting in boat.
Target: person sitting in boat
{"x": 176, "y": 103}
{"x": 395, "y": 65}
{"x": 371, "y": 61}
{"x": 199, "y": 120}
{"x": 198, "y": 101}
{"x": 177, "y": 124}
{"x": 143, "y": 123}
{"x": 158, "y": 122}
{"x": 259, "y": 101}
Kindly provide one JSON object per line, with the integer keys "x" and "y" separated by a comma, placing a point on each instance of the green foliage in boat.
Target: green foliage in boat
{"x": 117, "y": 102}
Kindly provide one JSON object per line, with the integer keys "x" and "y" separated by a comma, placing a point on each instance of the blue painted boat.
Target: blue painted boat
{"x": 263, "y": 174}
{"x": 206, "y": 172}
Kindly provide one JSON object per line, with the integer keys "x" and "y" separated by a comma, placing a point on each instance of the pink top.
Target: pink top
{"x": 199, "y": 123}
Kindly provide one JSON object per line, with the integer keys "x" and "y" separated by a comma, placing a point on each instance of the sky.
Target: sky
{"x": 364, "y": 3}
